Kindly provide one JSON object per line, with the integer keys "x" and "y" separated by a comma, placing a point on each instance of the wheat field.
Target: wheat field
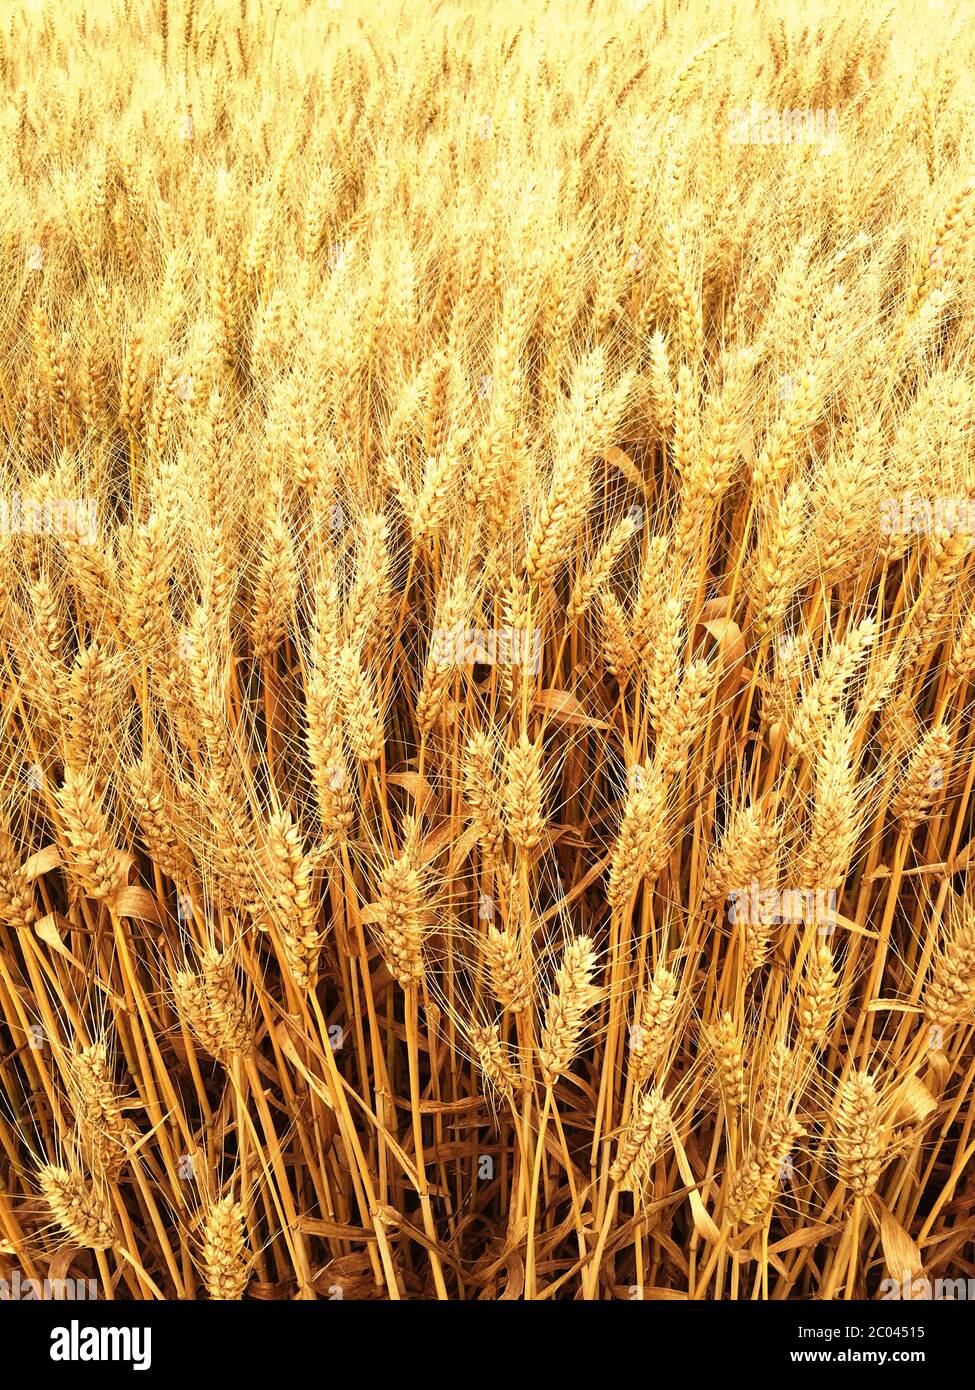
{"x": 487, "y": 632}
